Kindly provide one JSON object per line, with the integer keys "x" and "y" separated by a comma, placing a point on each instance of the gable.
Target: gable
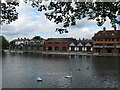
{"x": 80, "y": 44}
{"x": 88, "y": 44}
{"x": 72, "y": 44}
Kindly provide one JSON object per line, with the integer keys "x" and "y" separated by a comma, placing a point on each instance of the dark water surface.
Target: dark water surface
{"x": 20, "y": 70}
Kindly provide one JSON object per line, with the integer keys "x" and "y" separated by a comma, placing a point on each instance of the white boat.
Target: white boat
{"x": 39, "y": 79}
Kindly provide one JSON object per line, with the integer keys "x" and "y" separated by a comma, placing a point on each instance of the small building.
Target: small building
{"x": 68, "y": 44}
{"x": 81, "y": 46}
{"x": 27, "y": 44}
{"x": 59, "y": 44}
{"x": 106, "y": 41}
{"x": 18, "y": 43}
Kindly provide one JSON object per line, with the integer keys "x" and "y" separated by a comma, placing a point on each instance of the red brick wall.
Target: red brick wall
{"x": 60, "y": 45}
{"x": 53, "y": 45}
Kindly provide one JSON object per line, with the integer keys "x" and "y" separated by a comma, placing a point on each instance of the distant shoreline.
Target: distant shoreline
{"x": 65, "y": 53}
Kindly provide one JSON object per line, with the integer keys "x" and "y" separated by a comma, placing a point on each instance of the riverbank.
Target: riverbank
{"x": 66, "y": 53}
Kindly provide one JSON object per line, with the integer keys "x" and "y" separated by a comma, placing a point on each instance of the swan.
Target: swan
{"x": 39, "y": 79}
{"x": 68, "y": 76}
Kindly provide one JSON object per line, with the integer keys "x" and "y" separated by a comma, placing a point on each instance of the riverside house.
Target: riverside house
{"x": 84, "y": 46}
{"x": 59, "y": 44}
{"x": 106, "y": 41}
{"x": 68, "y": 44}
{"x": 27, "y": 44}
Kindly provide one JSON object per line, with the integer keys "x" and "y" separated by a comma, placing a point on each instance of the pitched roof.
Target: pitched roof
{"x": 72, "y": 44}
{"x": 109, "y": 34}
{"x": 60, "y": 39}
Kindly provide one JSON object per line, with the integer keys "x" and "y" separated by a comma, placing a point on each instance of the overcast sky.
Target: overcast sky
{"x": 32, "y": 23}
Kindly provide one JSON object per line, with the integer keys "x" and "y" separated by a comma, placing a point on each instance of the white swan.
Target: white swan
{"x": 68, "y": 76}
{"x": 39, "y": 79}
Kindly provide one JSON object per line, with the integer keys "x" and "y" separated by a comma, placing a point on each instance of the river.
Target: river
{"x": 20, "y": 70}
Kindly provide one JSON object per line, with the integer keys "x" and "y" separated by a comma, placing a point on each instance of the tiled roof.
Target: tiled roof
{"x": 83, "y": 43}
{"x": 59, "y": 39}
{"x": 109, "y": 34}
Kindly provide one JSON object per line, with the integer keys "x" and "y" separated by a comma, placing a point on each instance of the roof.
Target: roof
{"x": 84, "y": 43}
{"x": 60, "y": 39}
{"x": 109, "y": 34}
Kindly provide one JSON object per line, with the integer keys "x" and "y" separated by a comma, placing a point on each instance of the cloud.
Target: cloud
{"x": 31, "y": 22}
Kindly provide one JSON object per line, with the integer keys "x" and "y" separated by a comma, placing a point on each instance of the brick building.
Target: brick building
{"x": 27, "y": 44}
{"x": 106, "y": 41}
{"x": 81, "y": 46}
{"x": 59, "y": 44}
{"x": 68, "y": 44}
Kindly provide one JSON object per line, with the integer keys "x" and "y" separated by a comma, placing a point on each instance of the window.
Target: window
{"x": 113, "y": 34}
{"x": 49, "y": 42}
{"x": 56, "y": 48}
{"x": 105, "y": 39}
{"x": 112, "y": 39}
{"x": 109, "y": 39}
{"x": 56, "y": 42}
{"x": 117, "y": 39}
{"x": 106, "y": 34}
{"x": 64, "y": 49}
{"x": 64, "y": 42}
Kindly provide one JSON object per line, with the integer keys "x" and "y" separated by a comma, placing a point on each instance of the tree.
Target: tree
{"x": 37, "y": 38}
{"x": 68, "y": 12}
{"x": 8, "y": 12}
{"x": 3, "y": 42}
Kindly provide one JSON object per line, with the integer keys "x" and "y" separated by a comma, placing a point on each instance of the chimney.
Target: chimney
{"x": 83, "y": 39}
{"x": 115, "y": 28}
{"x": 104, "y": 28}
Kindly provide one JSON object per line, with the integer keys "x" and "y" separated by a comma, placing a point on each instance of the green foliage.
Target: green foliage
{"x": 4, "y": 44}
{"x": 8, "y": 11}
{"x": 37, "y": 38}
{"x": 68, "y": 12}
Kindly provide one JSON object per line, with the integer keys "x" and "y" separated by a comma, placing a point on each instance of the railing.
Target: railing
{"x": 112, "y": 46}
{"x": 95, "y": 46}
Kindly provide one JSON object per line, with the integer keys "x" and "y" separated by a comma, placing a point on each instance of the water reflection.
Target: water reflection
{"x": 87, "y": 71}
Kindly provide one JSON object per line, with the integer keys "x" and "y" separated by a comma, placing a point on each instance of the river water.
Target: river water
{"x": 20, "y": 70}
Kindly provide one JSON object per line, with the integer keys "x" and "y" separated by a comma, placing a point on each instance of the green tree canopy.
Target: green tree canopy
{"x": 3, "y": 43}
{"x": 68, "y": 12}
{"x": 37, "y": 38}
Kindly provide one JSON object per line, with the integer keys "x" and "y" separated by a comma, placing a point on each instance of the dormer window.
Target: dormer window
{"x": 113, "y": 34}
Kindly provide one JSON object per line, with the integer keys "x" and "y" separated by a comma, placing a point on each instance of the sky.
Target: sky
{"x": 32, "y": 23}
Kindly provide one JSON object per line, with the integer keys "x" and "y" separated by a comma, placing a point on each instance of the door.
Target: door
{"x": 38, "y": 47}
{"x": 56, "y": 48}
{"x": 80, "y": 49}
{"x": 88, "y": 49}
{"x": 64, "y": 49}
{"x": 49, "y": 48}
{"x": 72, "y": 48}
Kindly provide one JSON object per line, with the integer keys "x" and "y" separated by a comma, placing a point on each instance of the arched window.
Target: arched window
{"x": 56, "y": 48}
{"x": 64, "y": 49}
{"x": 49, "y": 48}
